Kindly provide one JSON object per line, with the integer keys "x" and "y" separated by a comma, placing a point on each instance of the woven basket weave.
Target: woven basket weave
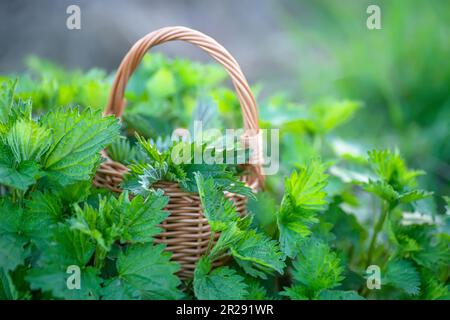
{"x": 186, "y": 231}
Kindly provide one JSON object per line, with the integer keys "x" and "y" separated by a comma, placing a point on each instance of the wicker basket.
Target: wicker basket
{"x": 186, "y": 231}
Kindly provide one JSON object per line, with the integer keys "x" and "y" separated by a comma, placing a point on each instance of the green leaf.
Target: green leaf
{"x": 421, "y": 244}
{"x": 99, "y": 224}
{"x": 306, "y": 186}
{"x": 122, "y": 151}
{"x": 403, "y": 275}
{"x": 19, "y": 176}
{"x": 12, "y": 251}
{"x": 382, "y": 190}
{"x": 414, "y": 195}
{"x": 77, "y": 141}
{"x": 55, "y": 280}
{"x": 219, "y": 211}
{"x": 121, "y": 219}
{"x": 262, "y": 252}
{"x": 223, "y": 178}
{"x": 304, "y": 197}
{"x": 7, "y": 289}
{"x": 68, "y": 247}
{"x": 295, "y": 292}
{"x": 222, "y": 283}
{"x": 45, "y": 205}
{"x": 317, "y": 267}
{"x": 294, "y": 224}
{"x": 231, "y": 235}
{"x": 433, "y": 289}
{"x": 255, "y": 290}
{"x": 28, "y": 140}
{"x": 140, "y": 217}
{"x": 143, "y": 176}
{"x": 23, "y": 223}
{"x": 147, "y": 270}
{"x": 392, "y": 169}
{"x": 118, "y": 289}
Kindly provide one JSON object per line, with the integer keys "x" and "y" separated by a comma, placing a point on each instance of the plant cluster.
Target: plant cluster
{"x": 341, "y": 208}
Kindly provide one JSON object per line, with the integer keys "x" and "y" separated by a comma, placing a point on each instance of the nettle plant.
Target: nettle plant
{"x": 312, "y": 236}
{"x": 52, "y": 222}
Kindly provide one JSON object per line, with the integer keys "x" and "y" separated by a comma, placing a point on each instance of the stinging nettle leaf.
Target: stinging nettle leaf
{"x": 19, "y": 176}
{"x": 414, "y": 195}
{"x": 317, "y": 267}
{"x": 28, "y": 140}
{"x": 77, "y": 141}
{"x": 221, "y": 283}
{"x": 402, "y": 275}
{"x": 260, "y": 251}
{"x": 145, "y": 271}
{"x": 54, "y": 280}
{"x": 219, "y": 211}
{"x": 383, "y": 190}
{"x": 7, "y": 289}
{"x": 304, "y": 197}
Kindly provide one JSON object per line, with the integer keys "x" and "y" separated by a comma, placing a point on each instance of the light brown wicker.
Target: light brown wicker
{"x": 186, "y": 231}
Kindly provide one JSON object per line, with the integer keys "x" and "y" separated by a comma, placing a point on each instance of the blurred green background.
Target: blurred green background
{"x": 401, "y": 73}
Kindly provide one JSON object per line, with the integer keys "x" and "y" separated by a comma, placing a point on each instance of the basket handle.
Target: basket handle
{"x": 116, "y": 103}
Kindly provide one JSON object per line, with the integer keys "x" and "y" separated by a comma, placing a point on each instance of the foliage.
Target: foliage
{"x": 341, "y": 207}
{"x": 44, "y": 232}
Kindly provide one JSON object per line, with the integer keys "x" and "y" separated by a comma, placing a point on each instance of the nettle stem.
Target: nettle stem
{"x": 378, "y": 227}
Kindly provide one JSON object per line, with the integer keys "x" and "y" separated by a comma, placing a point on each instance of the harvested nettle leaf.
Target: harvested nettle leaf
{"x": 172, "y": 164}
{"x": 304, "y": 198}
{"x": 144, "y": 272}
{"x": 219, "y": 211}
{"x": 317, "y": 272}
